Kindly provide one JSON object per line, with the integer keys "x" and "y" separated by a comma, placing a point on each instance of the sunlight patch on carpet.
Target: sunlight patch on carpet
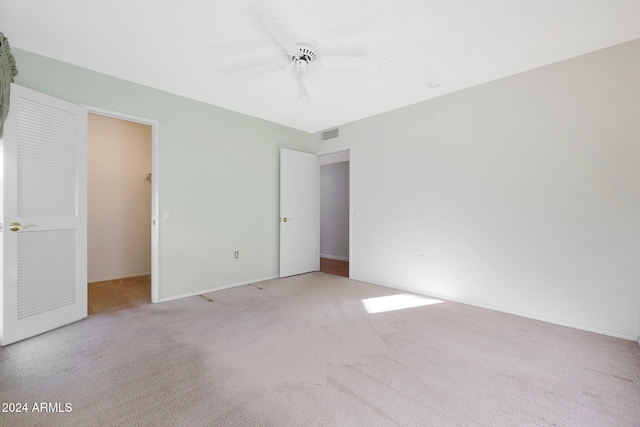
{"x": 396, "y": 302}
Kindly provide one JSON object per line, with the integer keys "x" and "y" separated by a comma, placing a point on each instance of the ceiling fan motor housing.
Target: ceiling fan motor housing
{"x": 308, "y": 47}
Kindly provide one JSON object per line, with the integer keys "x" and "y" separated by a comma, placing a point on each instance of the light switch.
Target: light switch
{"x": 166, "y": 215}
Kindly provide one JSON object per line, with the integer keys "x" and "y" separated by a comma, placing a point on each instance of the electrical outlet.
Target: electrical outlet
{"x": 421, "y": 259}
{"x": 236, "y": 254}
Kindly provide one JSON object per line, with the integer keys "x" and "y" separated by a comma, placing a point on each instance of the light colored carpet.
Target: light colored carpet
{"x": 303, "y": 351}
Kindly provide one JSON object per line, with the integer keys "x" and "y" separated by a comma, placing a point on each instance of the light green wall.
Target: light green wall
{"x": 218, "y": 172}
{"x": 523, "y": 195}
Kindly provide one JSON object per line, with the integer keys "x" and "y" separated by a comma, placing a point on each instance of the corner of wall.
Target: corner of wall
{"x": 315, "y": 139}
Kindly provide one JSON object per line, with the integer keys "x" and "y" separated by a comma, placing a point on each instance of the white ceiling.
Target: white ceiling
{"x": 194, "y": 47}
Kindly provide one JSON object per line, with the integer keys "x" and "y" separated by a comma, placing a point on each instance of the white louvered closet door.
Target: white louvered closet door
{"x": 44, "y": 190}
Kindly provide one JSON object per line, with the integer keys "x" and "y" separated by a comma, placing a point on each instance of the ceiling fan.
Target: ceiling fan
{"x": 302, "y": 53}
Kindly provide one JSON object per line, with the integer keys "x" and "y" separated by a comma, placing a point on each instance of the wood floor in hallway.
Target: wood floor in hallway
{"x": 120, "y": 293}
{"x": 333, "y": 266}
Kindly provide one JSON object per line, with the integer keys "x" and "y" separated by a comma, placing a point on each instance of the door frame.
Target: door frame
{"x": 351, "y": 216}
{"x": 155, "y": 189}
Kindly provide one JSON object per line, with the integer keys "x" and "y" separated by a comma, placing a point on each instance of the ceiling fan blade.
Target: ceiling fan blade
{"x": 282, "y": 36}
{"x": 351, "y": 63}
{"x": 312, "y": 87}
{"x": 254, "y": 70}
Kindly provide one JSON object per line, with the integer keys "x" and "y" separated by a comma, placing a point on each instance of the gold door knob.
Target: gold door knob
{"x": 285, "y": 219}
{"x": 16, "y": 226}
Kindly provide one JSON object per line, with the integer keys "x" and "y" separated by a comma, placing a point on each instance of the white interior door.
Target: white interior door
{"x": 299, "y": 212}
{"x": 44, "y": 189}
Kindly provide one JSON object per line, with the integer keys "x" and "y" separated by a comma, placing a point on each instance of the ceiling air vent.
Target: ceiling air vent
{"x": 333, "y": 133}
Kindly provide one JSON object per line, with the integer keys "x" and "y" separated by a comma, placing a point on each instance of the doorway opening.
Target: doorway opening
{"x": 334, "y": 213}
{"x": 121, "y": 216}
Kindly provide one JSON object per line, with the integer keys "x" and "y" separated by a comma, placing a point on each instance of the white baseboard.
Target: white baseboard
{"x": 206, "y": 291}
{"x": 336, "y": 257}
{"x": 508, "y": 311}
{"x": 119, "y": 277}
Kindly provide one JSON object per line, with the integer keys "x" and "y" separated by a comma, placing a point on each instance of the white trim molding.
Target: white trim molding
{"x": 336, "y": 257}
{"x": 206, "y": 291}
